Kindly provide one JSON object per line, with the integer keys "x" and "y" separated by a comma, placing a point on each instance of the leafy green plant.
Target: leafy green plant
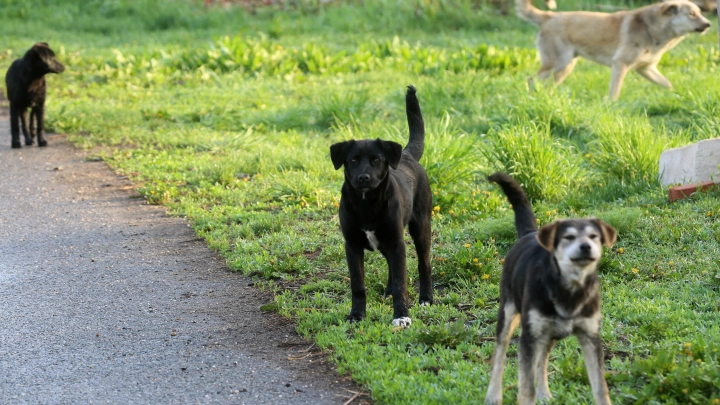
{"x": 546, "y": 167}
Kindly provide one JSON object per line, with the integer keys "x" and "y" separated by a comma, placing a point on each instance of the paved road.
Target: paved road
{"x": 104, "y": 299}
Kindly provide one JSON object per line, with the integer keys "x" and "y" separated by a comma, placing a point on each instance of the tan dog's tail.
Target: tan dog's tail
{"x": 528, "y": 12}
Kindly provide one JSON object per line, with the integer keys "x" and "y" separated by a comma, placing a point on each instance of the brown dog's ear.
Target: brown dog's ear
{"x": 338, "y": 153}
{"x": 671, "y": 9}
{"x": 392, "y": 151}
{"x": 609, "y": 235}
{"x": 546, "y": 236}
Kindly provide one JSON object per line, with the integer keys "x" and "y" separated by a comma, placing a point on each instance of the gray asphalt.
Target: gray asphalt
{"x": 105, "y": 299}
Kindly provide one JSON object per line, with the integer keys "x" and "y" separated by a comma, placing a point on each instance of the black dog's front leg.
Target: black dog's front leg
{"x": 395, "y": 256}
{"x": 25, "y": 127}
{"x": 356, "y": 264}
{"x": 39, "y": 113}
{"x": 14, "y": 126}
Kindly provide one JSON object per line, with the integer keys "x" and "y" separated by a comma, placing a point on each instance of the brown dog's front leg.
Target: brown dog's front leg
{"x": 593, "y": 354}
{"x": 356, "y": 264}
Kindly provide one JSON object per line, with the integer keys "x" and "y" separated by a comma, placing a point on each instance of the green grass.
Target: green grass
{"x": 226, "y": 118}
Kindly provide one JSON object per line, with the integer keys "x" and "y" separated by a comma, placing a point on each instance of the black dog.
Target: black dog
{"x": 385, "y": 189}
{"x": 549, "y": 285}
{"x": 25, "y": 82}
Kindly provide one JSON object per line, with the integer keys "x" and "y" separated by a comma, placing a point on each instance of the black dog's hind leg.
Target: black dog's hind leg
{"x": 420, "y": 232}
{"x": 39, "y": 113}
{"x": 14, "y": 126}
{"x": 356, "y": 264}
{"x": 25, "y": 127}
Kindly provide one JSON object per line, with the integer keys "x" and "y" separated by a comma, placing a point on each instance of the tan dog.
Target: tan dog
{"x": 624, "y": 40}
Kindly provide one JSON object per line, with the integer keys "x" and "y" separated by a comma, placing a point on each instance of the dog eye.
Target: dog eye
{"x": 376, "y": 161}
{"x": 569, "y": 237}
{"x": 593, "y": 236}
{"x": 354, "y": 161}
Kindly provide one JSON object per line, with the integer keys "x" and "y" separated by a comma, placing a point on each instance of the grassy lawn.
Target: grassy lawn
{"x": 226, "y": 118}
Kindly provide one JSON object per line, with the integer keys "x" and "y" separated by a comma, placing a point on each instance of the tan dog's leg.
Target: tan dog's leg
{"x": 651, "y": 73}
{"x": 592, "y": 352}
{"x": 619, "y": 70}
{"x": 541, "y": 375}
{"x": 508, "y": 320}
{"x": 562, "y": 73}
{"x": 545, "y": 71}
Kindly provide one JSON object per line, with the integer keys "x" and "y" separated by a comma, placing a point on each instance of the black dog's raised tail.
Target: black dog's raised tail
{"x": 416, "y": 144}
{"x": 524, "y": 217}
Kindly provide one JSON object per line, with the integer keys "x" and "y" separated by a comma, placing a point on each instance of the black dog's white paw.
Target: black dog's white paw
{"x": 425, "y": 303}
{"x": 403, "y": 322}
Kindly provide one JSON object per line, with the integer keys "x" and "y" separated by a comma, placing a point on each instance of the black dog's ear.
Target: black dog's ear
{"x": 546, "y": 236}
{"x": 392, "y": 151}
{"x": 338, "y": 153}
{"x": 609, "y": 235}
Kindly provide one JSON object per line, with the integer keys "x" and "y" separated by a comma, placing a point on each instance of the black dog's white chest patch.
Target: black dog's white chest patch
{"x": 372, "y": 240}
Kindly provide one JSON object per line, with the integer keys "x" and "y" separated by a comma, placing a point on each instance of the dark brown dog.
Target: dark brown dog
{"x": 549, "y": 286}
{"x": 25, "y": 82}
{"x": 386, "y": 189}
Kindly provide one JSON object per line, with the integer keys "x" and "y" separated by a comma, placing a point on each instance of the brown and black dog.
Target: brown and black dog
{"x": 385, "y": 190}
{"x": 26, "y": 88}
{"x": 549, "y": 285}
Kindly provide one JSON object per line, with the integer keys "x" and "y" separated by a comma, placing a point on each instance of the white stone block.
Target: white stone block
{"x": 691, "y": 164}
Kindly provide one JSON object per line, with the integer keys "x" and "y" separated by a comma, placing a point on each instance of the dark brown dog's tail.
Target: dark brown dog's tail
{"x": 525, "y": 222}
{"x": 416, "y": 144}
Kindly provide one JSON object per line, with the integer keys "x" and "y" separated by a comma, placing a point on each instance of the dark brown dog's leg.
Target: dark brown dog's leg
{"x": 541, "y": 374}
{"x": 395, "y": 256}
{"x": 14, "y": 126}
{"x": 25, "y": 127}
{"x": 420, "y": 232}
{"x": 526, "y": 367}
{"x": 507, "y": 321}
{"x": 356, "y": 264}
{"x": 593, "y": 354}
{"x": 39, "y": 113}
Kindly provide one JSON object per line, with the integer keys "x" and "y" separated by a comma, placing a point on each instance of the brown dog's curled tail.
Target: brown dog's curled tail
{"x": 416, "y": 144}
{"x": 525, "y": 222}
{"x": 528, "y": 12}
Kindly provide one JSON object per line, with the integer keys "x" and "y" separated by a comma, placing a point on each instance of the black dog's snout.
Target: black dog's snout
{"x": 585, "y": 248}
{"x": 363, "y": 178}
